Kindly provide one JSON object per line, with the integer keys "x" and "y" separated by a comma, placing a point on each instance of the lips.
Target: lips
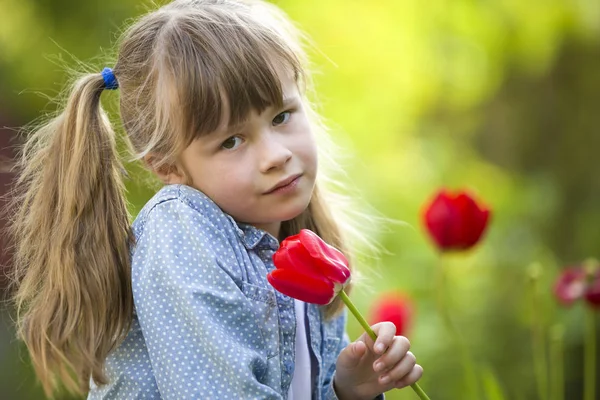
{"x": 283, "y": 183}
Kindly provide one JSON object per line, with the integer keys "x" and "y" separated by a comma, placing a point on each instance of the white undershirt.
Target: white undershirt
{"x": 301, "y": 386}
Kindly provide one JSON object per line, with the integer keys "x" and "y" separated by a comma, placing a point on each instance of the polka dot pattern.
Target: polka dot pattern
{"x": 207, "y": 325}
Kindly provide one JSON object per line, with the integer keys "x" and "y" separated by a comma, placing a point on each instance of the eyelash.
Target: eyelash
{"x": 290, "y": 112}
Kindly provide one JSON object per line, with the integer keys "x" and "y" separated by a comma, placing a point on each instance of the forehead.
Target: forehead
{"x": 289, "y": 93}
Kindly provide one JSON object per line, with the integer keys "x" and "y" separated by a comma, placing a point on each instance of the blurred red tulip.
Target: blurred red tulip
{"x": 455, "y": 221}
{"x": 309, "y": 269}
{"x": 575, "y": 283}
{"x": 570, "y": 285}
{"x": 394, "y": 307}
{"x": 592, "y": 294}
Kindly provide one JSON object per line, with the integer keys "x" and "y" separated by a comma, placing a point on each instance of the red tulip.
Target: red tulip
{"x": 455, "y": 221}
{"x": 592, "y": 294}
{"x": 309, "y": 269}
{"x": 577, "y": 282}
{"x": 395, "y": 308}
{"x": 570, "y": 285}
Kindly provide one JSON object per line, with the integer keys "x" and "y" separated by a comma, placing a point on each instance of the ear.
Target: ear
{"x": 167, "y": 173}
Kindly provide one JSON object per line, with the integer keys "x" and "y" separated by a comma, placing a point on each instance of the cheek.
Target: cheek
{"x": 306, "y": 149}
{"x": 230, "y": 182}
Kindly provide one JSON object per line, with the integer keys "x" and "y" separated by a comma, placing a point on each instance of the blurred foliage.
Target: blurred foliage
{"x": 498, "y": 96}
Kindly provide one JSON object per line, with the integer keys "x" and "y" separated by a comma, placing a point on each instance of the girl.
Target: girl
{"x": 177, "y": 306}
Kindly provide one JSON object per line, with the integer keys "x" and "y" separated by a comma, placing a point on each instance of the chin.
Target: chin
{"x": 288, "y": 212}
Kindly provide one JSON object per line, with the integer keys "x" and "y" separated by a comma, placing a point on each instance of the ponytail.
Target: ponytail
{"x": 71, "y": 234}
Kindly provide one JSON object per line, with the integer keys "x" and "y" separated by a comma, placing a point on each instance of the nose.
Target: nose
{"x": 274, "y": 153}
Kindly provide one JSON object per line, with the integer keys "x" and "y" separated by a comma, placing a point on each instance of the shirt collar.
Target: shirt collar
{"x": 253, "y": 237}
{"x": 250, "y": 236}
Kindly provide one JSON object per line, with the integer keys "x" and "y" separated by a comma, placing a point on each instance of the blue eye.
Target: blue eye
{"x": 231, "y": 143}
{"x": 282, "y": 118}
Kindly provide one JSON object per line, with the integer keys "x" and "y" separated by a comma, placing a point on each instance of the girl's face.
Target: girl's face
{"x": 239, "y": 168}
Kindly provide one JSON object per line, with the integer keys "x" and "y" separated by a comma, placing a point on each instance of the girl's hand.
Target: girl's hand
{"x": 365, "y": 369}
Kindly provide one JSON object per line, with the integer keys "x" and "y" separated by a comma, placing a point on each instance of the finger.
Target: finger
{"x": 411, "y": 378}
{"x": 351, "y": 356}
{"x": 397, "y": 351}
{"x": 385, "y": 331}
{"x": 400, "y": 370}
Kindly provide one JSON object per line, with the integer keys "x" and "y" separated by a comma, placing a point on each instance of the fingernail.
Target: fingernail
{"x": 380, "y": 347}
{"x": 385, "y": 379}
{"x": 378, "y": 366}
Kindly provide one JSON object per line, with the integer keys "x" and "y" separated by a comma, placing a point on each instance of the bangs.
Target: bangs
{"x": 219, "y": 72}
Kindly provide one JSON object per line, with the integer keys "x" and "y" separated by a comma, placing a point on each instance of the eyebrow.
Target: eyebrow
{"x": 285, "y": 103}
{"x": 288, "y": 100}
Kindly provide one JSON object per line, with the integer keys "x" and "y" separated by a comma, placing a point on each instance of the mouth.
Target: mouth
{"x": 284, "y": 183}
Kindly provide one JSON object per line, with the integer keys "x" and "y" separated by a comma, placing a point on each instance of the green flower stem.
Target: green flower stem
{"x": 590, "y": 354}
{"x": 538, "y": 334}
{"x": 372, "y": 335}
{"x": 357, "y": 314}
{"x": 557, "y": 362}
{"x": 470, "y": 375}
{"x": 591, "y": 267}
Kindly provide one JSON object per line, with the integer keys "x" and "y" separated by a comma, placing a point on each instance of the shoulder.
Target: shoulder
{"x": 180, "y": 222}
{"x": 174, "y": 206}
{"x": 181, "y": 231}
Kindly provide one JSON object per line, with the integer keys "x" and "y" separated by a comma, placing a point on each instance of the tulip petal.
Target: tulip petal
{"x": 332, "y": 262}
{"x": 592, "y": 292}
{"x": 439, "y": 219}
{"x": 302, "y": 287}
{"x": 295, "y": 257}
{"x": 473, "y": 221}
{"x": 570, "y": 285}
{"x": 393, "y": 307}
{"x": 291, "y": 241}
{"x": 455, "y": 222}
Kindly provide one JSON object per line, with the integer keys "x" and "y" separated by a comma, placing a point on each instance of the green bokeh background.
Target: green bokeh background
{"x": 500, "y": 97}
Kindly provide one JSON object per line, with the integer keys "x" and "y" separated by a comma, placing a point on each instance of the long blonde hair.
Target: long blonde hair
{"x": 176, "y": 67}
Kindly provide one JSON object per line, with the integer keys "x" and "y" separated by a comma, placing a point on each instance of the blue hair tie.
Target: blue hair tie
{"x": 110, "y": 80}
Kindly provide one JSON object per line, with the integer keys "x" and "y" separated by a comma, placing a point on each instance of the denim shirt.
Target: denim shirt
{"x": 207, "y": 324}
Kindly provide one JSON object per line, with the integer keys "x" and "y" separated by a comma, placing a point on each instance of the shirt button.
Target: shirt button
{"x": 288, "y": 367}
